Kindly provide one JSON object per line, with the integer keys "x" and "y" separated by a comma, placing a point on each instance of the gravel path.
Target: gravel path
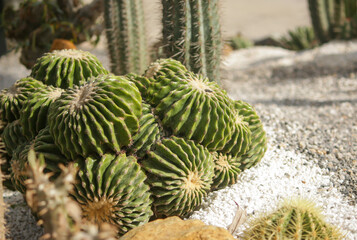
{"x": 307, "y": 102}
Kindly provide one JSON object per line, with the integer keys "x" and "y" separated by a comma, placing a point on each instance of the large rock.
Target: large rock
{"x": 173, "y": 228}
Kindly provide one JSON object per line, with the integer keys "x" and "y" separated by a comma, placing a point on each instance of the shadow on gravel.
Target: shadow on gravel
{"x": 305, "y": 102}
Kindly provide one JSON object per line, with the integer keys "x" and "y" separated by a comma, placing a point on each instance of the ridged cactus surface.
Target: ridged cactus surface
{"x": 100, "y": 116}
{"x": 125, "y": 31}
{"x": 258, "y": 145}
{"x": 43, "y": 144}
{"x": 180, "y": 174}
{"x": 112, "y": 189}
{"x": 33, "y": 115}
{"x": 141, "y": 82}
{"x": 12, "y": 99}
{"x": 192, "y": 34}
{"x": 67, "y": 68}
{"x": 148, "y": 134}
{"x": 192, "y": 107}
{"x": 226, "y": 170}
{"x": 296, "y": 219}
{"x": 13, "y": 136}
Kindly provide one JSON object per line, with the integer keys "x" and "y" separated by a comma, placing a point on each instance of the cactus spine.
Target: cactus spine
{"x": 192, "y": 35}
{"x": 124, "y": 20}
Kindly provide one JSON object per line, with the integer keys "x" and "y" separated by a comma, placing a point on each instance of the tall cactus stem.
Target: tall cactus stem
{"x": 192, "y": 35}
{"x": 125, "y": 31}
{"x": 320, "y": 19}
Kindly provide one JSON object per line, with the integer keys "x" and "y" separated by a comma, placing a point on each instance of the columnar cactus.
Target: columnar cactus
{"x": 100, "y": 116}
{"x": 180, "y": 174}
{"x": 191, "y": 34}
{"x": 112, "y": 189}
{"x": 67, "y": 68}
{"x": 333, "y": 19}
{"x": 125, "y": 31}
{"x": 295, "y": 219}
{"x": 12, "y": 99}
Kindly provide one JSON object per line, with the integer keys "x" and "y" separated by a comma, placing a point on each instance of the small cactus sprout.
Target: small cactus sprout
{"x": 112, "y": 189}
{"x": 226, "y": 170}
{"x": 33, "y": 115}
{"x": 259, "y": 142}
{"x": 11, "y": 99}
{"x": 67, "y": 68}
{"x": 148, "y": 134}
{"x": 192, "y": 107}
{"x": 180, "y": 174}
{"x": 100, "y": 116}
{"x": 13, "y": 136}
{"x": 296, "y": 219}
{"x": 301, "y": 38}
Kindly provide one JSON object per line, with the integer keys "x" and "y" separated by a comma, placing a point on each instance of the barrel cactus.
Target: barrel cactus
{"x": 100, "y": 116}
{"x": 192, "y": 107}
{"x": 67, "y": 68}
{"x": 12, "y": 99}
{"x": 180, "y": 174}
{"x": 33, "y": 115}
{"x": 295, "y": 219}
{"x": 226, "y": 170}
{"x": 149, "y": 132}
{"x": 13, "y": 136}
{"x": 259, "y": 142}
{"x": 43, "y": 144}
{"x": 112, "y": 189}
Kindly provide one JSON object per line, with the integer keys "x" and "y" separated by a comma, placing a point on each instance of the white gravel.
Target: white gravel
{"x": 281, "y": 174}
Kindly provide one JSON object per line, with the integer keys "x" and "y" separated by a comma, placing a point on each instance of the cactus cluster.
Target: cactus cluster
{"x": 144, "y": 145}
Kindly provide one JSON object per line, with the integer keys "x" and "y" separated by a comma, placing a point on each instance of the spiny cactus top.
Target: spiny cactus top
{"x": 296, "y": 219}
{"x": 33, "y": 116}
{"x": 112, "y": 189}
{"x": 164, "y": 67}
{"x": 180, "y": 174}
{"x": 192, "y": 107}
{"x": 11, "y": 99}
{"x": 67, "y": 68}
{"x": 100, "y": 116}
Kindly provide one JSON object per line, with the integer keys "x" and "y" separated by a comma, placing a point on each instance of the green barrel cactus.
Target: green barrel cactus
{"x": 112, "y": 190}
{"x": 43, "y": 144}
{"x": 12, "y": 99}
{"x": 296, "y": 219}
{"x": 67, "y": 68}
{"x": 13, "y": 136}
{"x": 33, "y": 115}
{"x": 166, "y": 67}
{"x": 180, "y": 174}
{"x": 149, "y": 132}
{"x": 100, "y": 116}
{"x": 259, "y": 142}
{"x": 125, "y": 31}
{"x": 226, "y": 170}
{"x": 141, "y": 82}
{"x": 192, "y": 107}
{"x": 192, "y": 34}
{"x": 241, "y": 137}
{"x": 5, "y": 161}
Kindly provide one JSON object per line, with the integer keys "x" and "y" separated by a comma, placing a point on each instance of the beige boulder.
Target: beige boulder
{"x": 174, "y": 228}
